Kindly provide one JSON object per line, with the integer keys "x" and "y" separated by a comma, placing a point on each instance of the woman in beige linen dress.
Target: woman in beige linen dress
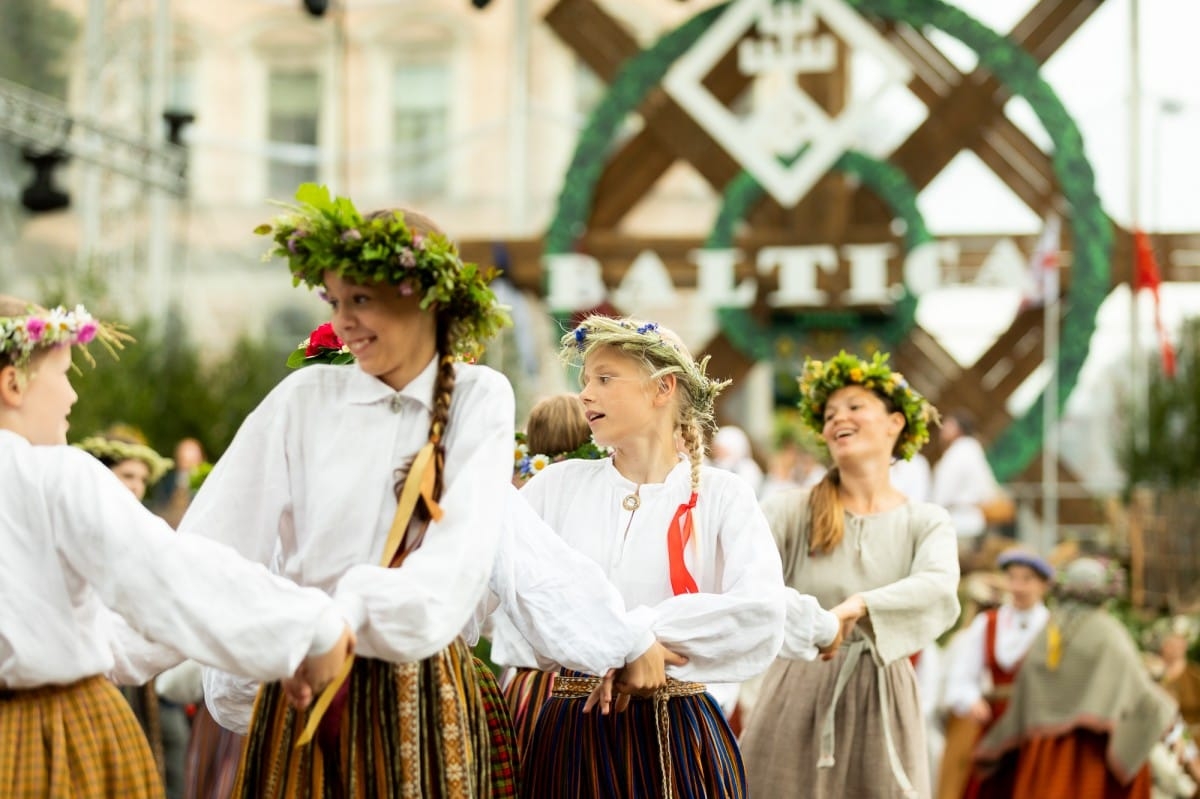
{"x": 849, "y": 725}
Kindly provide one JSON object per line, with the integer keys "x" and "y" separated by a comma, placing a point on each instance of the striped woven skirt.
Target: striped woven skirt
{"x": 675, "y": 745}
{"x": 406, "y": 730}
{"x": 79, "y": 741}
{"x": 505, "y": 763}
{"x": 526, "y": 693}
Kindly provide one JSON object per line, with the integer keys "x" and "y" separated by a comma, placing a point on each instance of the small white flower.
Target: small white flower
{"x": 538, "y": 462}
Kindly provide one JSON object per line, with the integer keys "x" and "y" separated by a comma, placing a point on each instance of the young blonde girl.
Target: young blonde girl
{"x": 78, "y": 546}
{"x": 693, "y": 559}
{"x": 377, "y": 483}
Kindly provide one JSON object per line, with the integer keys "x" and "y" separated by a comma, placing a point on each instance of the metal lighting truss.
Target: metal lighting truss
{"x": 42, "y": 123}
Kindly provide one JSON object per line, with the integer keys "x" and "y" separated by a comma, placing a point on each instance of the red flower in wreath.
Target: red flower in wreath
{"x": 323, "y": 338}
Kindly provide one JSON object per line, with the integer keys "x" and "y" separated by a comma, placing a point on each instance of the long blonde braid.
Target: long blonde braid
{"x": 693, "y": 442}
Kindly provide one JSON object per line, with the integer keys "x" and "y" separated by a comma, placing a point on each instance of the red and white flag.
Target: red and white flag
{"x": 1146, "y": 275}
{"x": 1043, "y": 285}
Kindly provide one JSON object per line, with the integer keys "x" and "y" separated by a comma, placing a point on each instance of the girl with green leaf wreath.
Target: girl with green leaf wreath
{"x": 377, "y": 483}
{"x": 887, "y": 566}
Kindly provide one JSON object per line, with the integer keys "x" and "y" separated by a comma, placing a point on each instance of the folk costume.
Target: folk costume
{"x": 852, "y": 726}
{"x": 694, "y": 563}
{"x": 65, "y": 520}
{"x": 308, "y": 487}
{"x": 1084, "y": 713}
{"x": 551, "y": 607}
{"x": 985, "y": 667}
{"x": 728, "y": 628}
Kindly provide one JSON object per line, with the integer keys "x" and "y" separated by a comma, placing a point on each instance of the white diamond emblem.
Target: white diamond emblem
{"x": 789, "y": 43}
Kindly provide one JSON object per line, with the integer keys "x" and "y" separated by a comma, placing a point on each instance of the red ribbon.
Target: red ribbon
{"x": 678, "y": 535}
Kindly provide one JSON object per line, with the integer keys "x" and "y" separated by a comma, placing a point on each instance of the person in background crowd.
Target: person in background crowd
{"x": 731, "y": 451}
{"x": 1084, "y": 714}
{"x": 963, "y": 481}
{"x": 985, "y": 664}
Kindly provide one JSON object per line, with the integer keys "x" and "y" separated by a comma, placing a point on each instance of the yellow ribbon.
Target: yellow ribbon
{"x": 418, "y": 483}
{"x": 1053, "y": 646}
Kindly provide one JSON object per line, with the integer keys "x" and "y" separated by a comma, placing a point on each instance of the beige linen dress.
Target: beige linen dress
{"x": 904, "y": 562}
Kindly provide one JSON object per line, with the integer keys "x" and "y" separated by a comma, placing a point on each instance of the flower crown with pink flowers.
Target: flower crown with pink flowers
{"x": 20, "y": 336}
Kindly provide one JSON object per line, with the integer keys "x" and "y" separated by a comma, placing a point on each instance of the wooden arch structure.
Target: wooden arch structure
{"x": 965, "y": 113}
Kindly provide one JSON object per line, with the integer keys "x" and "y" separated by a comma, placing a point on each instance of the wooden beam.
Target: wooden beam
{"x": 1003, "y": 147}
{"x": 975, "y": 103}
{"x": 669, "y": 132}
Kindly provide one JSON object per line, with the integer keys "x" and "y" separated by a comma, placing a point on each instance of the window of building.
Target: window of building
{"x": 421, "y": 128}
{"x": 294, "y": 103}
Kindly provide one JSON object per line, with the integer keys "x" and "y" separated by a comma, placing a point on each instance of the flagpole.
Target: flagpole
{"x": 1050, "y": 425}
{"x": 1139, "y": 398}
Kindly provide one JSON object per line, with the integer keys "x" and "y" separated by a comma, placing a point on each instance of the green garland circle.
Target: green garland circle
{"x": 1017, "y": 70}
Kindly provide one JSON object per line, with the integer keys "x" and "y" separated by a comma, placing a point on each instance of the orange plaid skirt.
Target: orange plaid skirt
{"x": 79, "y": 741}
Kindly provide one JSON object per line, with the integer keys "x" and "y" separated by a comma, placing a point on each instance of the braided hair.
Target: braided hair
{"x": 443, "y": 387}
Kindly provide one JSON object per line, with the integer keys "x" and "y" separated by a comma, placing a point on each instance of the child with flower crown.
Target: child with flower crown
{"x": 888, "y": 565}
{"x": 78, "y": 546}
{"x": 380, "y": 484}
{"x": 692, "y": 557}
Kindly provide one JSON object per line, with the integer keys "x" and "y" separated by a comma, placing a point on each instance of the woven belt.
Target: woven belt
{"x": 855, "y": 650}
{"x": 581, "y": 687}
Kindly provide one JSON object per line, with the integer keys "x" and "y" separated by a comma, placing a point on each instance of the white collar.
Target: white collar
{"x": 365, "y": 389}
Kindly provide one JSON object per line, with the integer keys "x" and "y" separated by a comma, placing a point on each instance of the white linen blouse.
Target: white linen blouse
{"x": 307, "y": 488}
{"x": 77, "y": 547}
{"x": 733, "y": 628}
{"x": 967, "y": 677}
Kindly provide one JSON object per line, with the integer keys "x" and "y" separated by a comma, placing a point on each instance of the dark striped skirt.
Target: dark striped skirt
{"x": 676, "y": 746}
{"x": 79, "y": 741}
{"x": 406, "y": 730}
{"x": 526, "y": 693}
{"x": 505, "y": 763}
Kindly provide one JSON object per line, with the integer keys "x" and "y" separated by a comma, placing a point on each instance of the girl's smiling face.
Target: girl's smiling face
{"x": 389, "y": 335}
{"x": 858, "y": 424}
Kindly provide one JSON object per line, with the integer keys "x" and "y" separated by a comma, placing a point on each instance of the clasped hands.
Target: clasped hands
{"x": 643, "y": 676}
{"x": 848, "y": 614}
{"x": 317, "y": 671}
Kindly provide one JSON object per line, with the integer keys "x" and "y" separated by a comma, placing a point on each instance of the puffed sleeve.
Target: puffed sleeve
{"x": 807, "y": 625}
{"x": 230, "y": 699}
{"x": 411, "y": 612}
{"x": 559, "y": 600}
{"x": 733, "y": 633}
{"x": 136, "y": 660}
{"x": 245, "y": 502}
{"x": 194, "y": 595}
{"x": 912, "y": 612}
{"x": 964, "y": 671}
